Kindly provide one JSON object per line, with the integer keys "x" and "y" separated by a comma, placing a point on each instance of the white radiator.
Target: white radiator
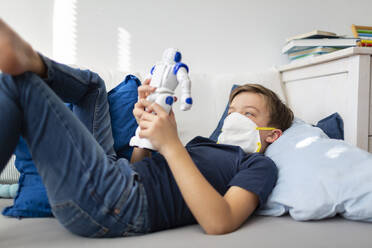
{"x": 10, "y": 174}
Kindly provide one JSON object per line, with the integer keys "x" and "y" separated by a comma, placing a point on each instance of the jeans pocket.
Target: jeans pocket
{"x": 138, "y": 224}
{"x": 77, "y": 221}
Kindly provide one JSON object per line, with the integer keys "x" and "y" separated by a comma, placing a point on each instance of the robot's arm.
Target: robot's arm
{"x": 184, "y": 80}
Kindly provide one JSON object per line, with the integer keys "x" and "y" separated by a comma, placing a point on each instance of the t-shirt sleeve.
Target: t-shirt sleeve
{"x": 257, "y": 176}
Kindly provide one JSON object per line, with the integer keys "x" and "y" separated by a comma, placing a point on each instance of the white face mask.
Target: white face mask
{"x": 239, "y": 130}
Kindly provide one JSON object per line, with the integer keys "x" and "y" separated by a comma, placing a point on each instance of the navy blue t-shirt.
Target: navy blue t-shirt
{"x": 222, "y": 165}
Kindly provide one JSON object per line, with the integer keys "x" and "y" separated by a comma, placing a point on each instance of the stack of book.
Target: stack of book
{"x": 364, "y": 33}
{"x": 316, "y": 43}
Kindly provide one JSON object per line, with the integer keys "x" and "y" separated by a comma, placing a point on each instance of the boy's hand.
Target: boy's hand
{"x": 143, "y": 91}
{"x": 158, "y": 126}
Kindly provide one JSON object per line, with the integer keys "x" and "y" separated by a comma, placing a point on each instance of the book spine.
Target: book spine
{"x": 365, "y": 44}
{"x": 361, "y": 31}
{"x": 366, "y": 41}
{"x": 364, "y": 27}
{"x": 366, "y": 38}
{"x": 361, "y": 35}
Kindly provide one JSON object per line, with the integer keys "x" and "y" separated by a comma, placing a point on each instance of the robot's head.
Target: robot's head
{"x": 171, "y": 56}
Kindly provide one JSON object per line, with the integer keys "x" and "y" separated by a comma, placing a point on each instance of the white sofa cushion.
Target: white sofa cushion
{"x": 210, "y": 93}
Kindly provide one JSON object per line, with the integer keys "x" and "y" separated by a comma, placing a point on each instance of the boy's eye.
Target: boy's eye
{"x": 248, "y": 114}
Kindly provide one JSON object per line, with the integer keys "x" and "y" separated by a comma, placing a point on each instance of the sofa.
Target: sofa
{"x": 210, "y": 94}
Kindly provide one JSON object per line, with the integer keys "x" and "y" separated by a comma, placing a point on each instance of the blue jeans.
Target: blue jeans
{"x": 91, "y": 191}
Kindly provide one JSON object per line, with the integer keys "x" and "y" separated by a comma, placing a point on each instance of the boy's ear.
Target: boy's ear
{"x": 274, "y": 135}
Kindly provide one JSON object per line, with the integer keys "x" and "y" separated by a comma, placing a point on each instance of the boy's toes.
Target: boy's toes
{"x": 16, "y": 55}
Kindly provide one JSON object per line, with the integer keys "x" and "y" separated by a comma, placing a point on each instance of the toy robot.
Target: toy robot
{"x": 165, "y": 77}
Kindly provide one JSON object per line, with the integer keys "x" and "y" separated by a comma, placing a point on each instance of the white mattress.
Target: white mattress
{"x": 258, "y": 232}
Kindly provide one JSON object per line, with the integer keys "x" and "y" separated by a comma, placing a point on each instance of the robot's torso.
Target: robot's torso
{"x": 164, "y": 78}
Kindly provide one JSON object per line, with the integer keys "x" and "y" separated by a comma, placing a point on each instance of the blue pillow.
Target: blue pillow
{"x": 333, "y": 126}
{"x": 31, "y": 199}
{"x": 122, "y": 99}
{"x": 217, "y": 131}
{"x": 319, "y": 177}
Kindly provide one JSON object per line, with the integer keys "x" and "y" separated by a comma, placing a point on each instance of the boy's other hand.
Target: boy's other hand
{"x": 145, "y": 89}
{"x": 138, "y": 110}
{"x": 158, "y": 126}
{"x": 143, "y": 92}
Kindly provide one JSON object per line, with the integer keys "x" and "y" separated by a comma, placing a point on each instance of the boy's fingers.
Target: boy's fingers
{"x": 138, "y": 108}
{"x": 147, "y": 116}
{"x": 157, "y": 109}
{"x": 147, "y": 81}
{"x": 172, "y": 116}
{"x": 144, "y": 103}
{"x": 139, "y": 105}
{"x": 137, "y": 112}
{"x": 145, "y": 90}
{"x": 144, "y": 133}
{"x": 153, "y": 107}
{"x": 144, "y": 124}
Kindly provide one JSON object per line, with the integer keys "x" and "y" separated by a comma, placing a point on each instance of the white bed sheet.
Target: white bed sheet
{"x": 258, "y": 232}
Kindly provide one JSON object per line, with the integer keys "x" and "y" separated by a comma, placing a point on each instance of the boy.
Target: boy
{"x": 92, "y": 192}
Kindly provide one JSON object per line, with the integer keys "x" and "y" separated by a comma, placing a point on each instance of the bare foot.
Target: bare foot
{"x": 16, "y": 55}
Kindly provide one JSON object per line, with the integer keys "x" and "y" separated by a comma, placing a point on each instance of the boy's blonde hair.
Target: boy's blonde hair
{"x": 280, "y": 115}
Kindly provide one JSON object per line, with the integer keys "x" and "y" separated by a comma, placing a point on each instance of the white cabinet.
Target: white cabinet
{"x": 336, "y": 82}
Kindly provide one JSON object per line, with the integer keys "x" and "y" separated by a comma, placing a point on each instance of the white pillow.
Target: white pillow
{"x": 319, "y": 177}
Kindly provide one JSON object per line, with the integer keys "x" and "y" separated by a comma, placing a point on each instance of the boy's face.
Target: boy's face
{"x": 254, "y": 106}
{"x": 251, "y": 105}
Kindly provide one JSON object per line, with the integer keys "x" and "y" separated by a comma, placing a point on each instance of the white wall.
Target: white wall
{"x": 214, "y": 35}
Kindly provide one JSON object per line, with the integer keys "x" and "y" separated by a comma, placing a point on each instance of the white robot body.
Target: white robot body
{"x": 165, "y": 77}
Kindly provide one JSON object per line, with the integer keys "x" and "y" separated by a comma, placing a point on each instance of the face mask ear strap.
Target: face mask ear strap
{"x": 266, "y": 128}
{"x": 258, "y": 147}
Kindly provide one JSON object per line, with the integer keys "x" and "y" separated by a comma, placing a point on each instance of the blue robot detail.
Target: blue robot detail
{"x": 177, "y": 57}
{"x": 152, "y": 70}
{"x": 179, "y": 66}
{"x": 189, "y": 100}
{"x": 169, "y": 100}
